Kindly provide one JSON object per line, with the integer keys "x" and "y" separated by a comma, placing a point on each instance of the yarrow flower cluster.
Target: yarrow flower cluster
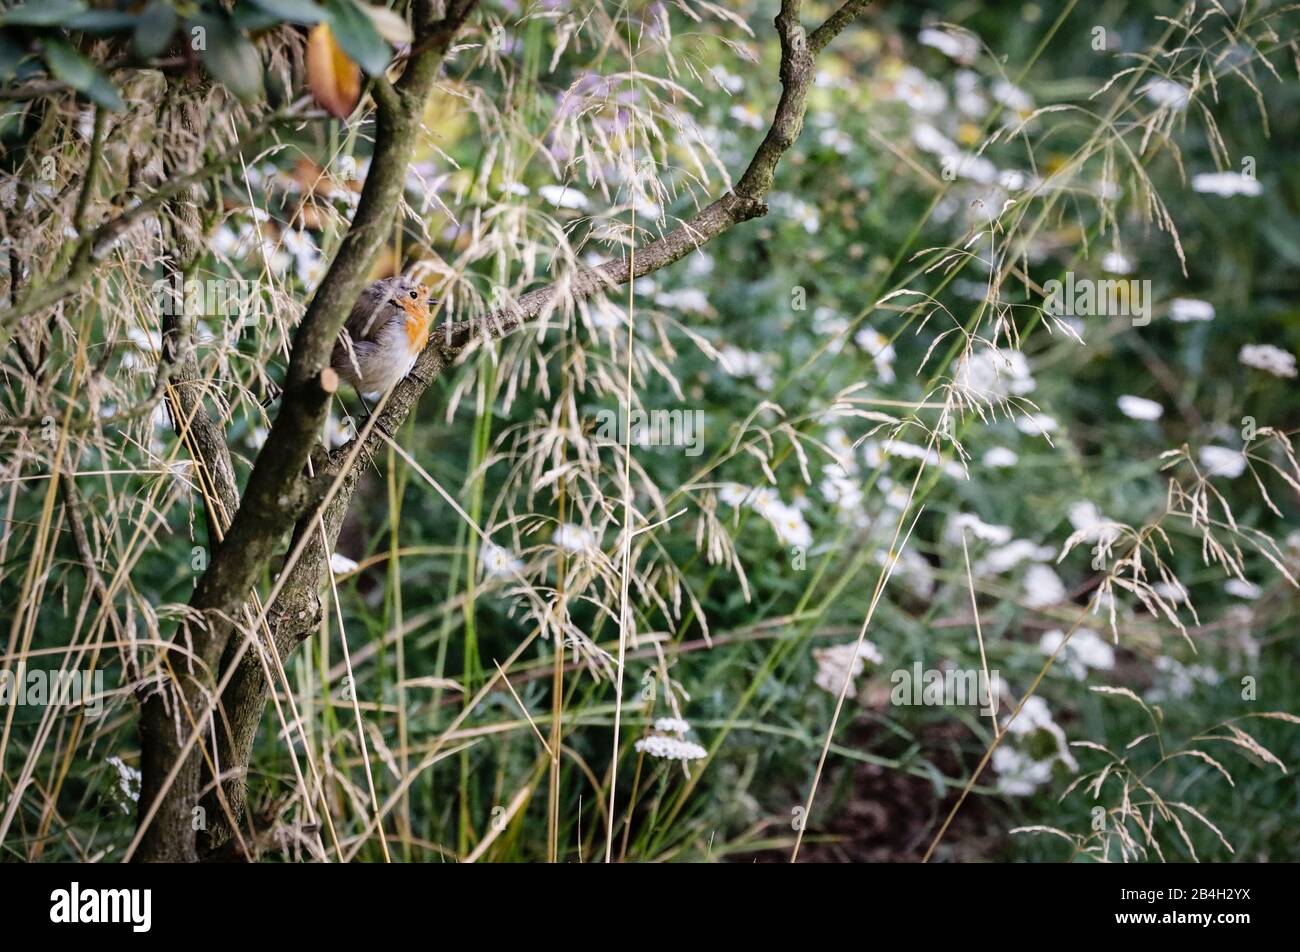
{"x": 1275, "y": 360}
{"x": 840, "y": 661}
{"x": 670, "y": 748}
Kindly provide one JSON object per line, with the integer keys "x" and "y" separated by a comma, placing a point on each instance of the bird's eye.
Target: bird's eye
{"x": 413, "y": 295}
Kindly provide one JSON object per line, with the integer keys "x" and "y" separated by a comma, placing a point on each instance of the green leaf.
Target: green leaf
{"x": 154, "y": 30}
{"x": 100, "y": 21}
{"x": 11, "y": 54}
{"x": 250, "y": 19}
{"x": 293, "y": 11}
{"x": 42, "y": 13}
{"x": 229, "y": 56}
{"x": 69, "y": 66}
{"x": 356, "y": 33}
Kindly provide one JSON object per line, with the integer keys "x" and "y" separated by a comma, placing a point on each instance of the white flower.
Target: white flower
{"x": 498, "y": 562}
{"x": 728, "y": 81}
{"x": 685, "y": 299}
{"x": 1116, "y": 262}
{"x": 1167, "y": 94}
{"x": 1267, "y": 357}
{"x": 1180, "y": 678}
{"x": 838, "y": 661}
{"x": 881, "y": 350}
{"x": 1006, "y": 557}
{"x": 1013, "y": 97}
{"x": 341, "y": 564}
{"x": 1018, "y": 774}
{"x": 845, "y": 492}
{"x": 1221, "y": 461}
{"x": 967, "y": 521}
{"x": 574, "y": 538}
{"x": 128, "y": 781}
{"x": 672, "y": 725}
{"x": 1242, "y": 589}
{"x": 994, "y": 373}
{"x": 969, "y": 99}
{"x": 798, "y": 210}
{"x": 905, "y": 450}
{"x": 999, "y": 457}
{"x": 1036, "y": 424}
{"x": 563, "y": 196}
{"x": 789, "y": 525}
{"x": 1139, "y": 408}
{"x": 912, "y": 569}
{"x": 1183, "y": 310}
{"x": 839, "y": 443}
{"x": 1043, "y": 587}
{"x": 837, "y": 139}
{"x": 1085, "y": 649}
{"x": 733, "y": 494}
{"x": 746, "y": 116}
{"x": 1086, "y": 517}
{"x": 955, "y": 44}
{"x": 670, "y": 748}
{"x": 1225, "y": 184}
{"x": 929, "y": 139}
{"x": 746, "y": 363}
{"x": 919, "y": 91}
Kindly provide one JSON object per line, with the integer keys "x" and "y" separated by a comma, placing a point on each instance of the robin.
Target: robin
{"x": 384, "y": 334}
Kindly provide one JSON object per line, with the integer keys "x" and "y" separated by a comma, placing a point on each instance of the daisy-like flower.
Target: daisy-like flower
{"x": 1139, "y": 408}
{"x": 789, "y": 525}
{"x": 905, "y": 450}
{"x": 746, "y": 116}
{"x": 499, "y": 562}
{"x": 670, "y": 748}
{"x": 881, "y": 350}
{"x": 733, "y": 494}
{"x": 1226, "y": 184}
{"x": 919, "y": 91}
{"x": 995, "y": 372}
{"x": 1275, "y": 360}
{"x": 1185, "y": 310}
{"x": 574, "y": 538}
{"x": 1221, "y": 461}
{"x": 745, "y": 363}
{"x": 563, "y": 196}
{"x": 955, "y": 44}
{"x": 1012, "y": 96}
{"x": 1167, "y": 94}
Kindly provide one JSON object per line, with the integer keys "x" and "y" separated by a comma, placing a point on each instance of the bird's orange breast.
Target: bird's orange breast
{"x": 417, "y": 325}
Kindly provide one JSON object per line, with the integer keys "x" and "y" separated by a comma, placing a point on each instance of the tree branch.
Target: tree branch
{"x": 276, "y": 491}
{"x": 298, "y": 608}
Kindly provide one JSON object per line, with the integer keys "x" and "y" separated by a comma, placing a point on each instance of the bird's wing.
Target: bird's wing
{"x": 367, "y": 319}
